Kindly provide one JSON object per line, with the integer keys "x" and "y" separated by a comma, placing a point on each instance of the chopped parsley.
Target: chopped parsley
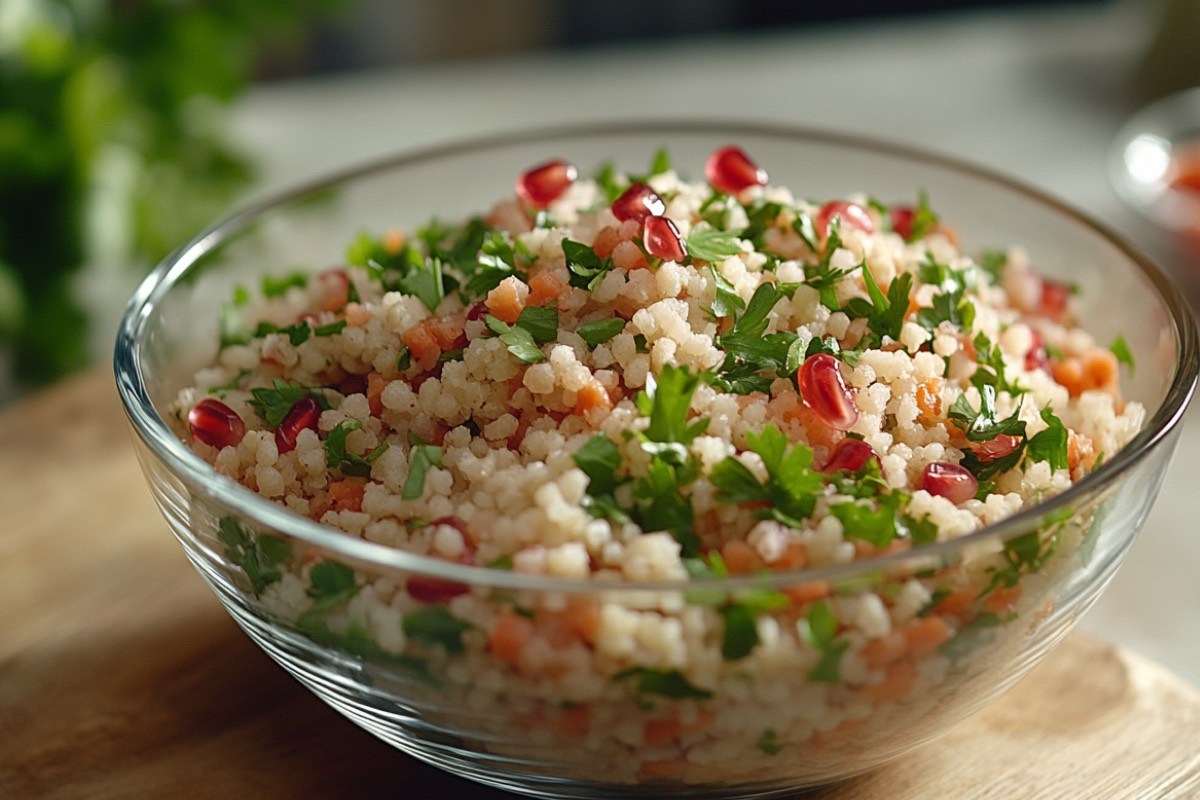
{"x": 598, "y": 332}
{"x": 277, "y": 286}
{"x": 297, "y": 332}
{"x": 436, "y": 625}
{"x": 273, "y": 404}
{"x": 768, "y": 743}
{"x": 330, "y": 583}
{"x": 710, "y": 244}
{"x": 1120, "y": 349}
{"x": 230, "y": 325}
{"x": 338, "y": 457}
{"x": 587, "y": 269}
{"x": 1050, "y": 443}
{"x": 790, "y": 492}
{"x": 259, "y": 555}
{"x": 661, "y": 683}
{"x": 519, "y": 340}
{"x": 819, "y": 629}
{"x": 751, "y": 354}
{"x": 421, "y": 459}
{"x": 924, "y": 219}
{"x": 727, "y": 302}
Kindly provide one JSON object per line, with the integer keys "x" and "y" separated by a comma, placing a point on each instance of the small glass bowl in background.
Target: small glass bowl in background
{"x": 1154, "y": 164}
{"x": 576, "y": 719}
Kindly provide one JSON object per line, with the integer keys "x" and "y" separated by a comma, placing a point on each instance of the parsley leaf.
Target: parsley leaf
{"x": 540, "y": 321}
{"x": 749, "y": 350}
{"x": 337, "y": 456}
{"x": 297, "y": 332}
{"x": 792, "y": 485}
{"x": 259, "y": 555}
{"x": 727, "y": 301}
{"x": 661, "y": 162}
{"x": 887, "y": 312}
{"x": 1049, "y": 444}
{"x": 663, "y": 683}
{"x": 924, "y": 219}
{"x": 768, "y": 743}
{"x": 273, "y": 404}
{"x": 436, "y": 625}
{"x": 424, "y": 281}
{"x": 330, "y": 582}
{"x": 329, "y": 329}
{"x": 948, "y": 306}
{"x": 231, "y": 326}
{"x": 982, "y": 425}
{"x": 819, "y": 629}
{"x": 273, "y": 286}
{"x": 421, "y": 459}
{"x": 667, "y": 401}
{"x": 709, "y": 244}
{"x": 663, "y": 507}
{"x": 1120, "y": 349}
{"x": 497, "y": 260}
{"x": 599, "y": 459}
{"x": 598, "y": 332}
{"x": 520, "y": 341}
{"x": 587, "y": 269}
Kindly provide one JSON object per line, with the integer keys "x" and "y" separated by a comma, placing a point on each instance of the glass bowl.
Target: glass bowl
{"x": 569, "y": 718}
{"x": 1154, "y": 163}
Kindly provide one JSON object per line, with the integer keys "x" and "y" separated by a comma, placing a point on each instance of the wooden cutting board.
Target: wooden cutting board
{"x": 122, "y": 677}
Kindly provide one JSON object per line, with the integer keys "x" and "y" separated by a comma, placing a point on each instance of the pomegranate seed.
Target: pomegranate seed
{"x": 545, "y": 183}
{"x": 995, "y": 448}
{"x": 215, "y": 423}
{"x": 1036, "y": 357}
{"x": 638, "y": 202}
{"x": 304, "y": 413}
{"x": 823, "y": 390}
{"x": 851, "y": 214}
{"x": 353, "y": 384}
{"x": 730, "y": 170}
{"x": 661, "y": 239}
{"x": 850, "y": 455}
{"x": 951, "y": 481}
{"x": 477, "y": 311}
{"x": 1054, "y": 300}
{"x": 902, "y": 220}
{"x": 429, "y": 590}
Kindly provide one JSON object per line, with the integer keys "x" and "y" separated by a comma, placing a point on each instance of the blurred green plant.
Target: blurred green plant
{"x": 112, "y": 150}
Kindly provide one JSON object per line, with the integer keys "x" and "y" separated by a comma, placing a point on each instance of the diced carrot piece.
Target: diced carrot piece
{"x": 394, "y": 241}
{"x": 319, "y": 504}
{"x": 583, "y": 616}
{"x": 606, "y": 239}
{"x": 811, "y": 592}
{"x": 929, "y": 397}
{"x": 740, "y": 558}
{"x": 421, "y": 341}
{"x": 957, "y": 604}
{"x": 1100, "y": 366}
{"x": 661, "y": 731}
{"x": 1002, "y": 599}
{"x": 510, "y": 633}
{"x": 575, "y": 721}
{"x": 880, "y": 652}
{"x": 923, "y": 636}
{"x": 546, "y": 287}
{"x": 897, "y": 682}
{"x": 376, "y": 383}
{"x": 667, "y": 769}
{"x": 592, "y": 395}
{"x": 794, "y": 556}
{"x": 448, "y": 330}
{"x": 347, "y": 494}
{"x": 507, "y": 300}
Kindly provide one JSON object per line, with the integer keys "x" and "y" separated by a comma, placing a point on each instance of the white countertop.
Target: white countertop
{"x": 1035, "y": 94}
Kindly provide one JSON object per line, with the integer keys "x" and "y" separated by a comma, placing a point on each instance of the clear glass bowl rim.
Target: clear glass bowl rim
{"x": 260, "y": 512}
